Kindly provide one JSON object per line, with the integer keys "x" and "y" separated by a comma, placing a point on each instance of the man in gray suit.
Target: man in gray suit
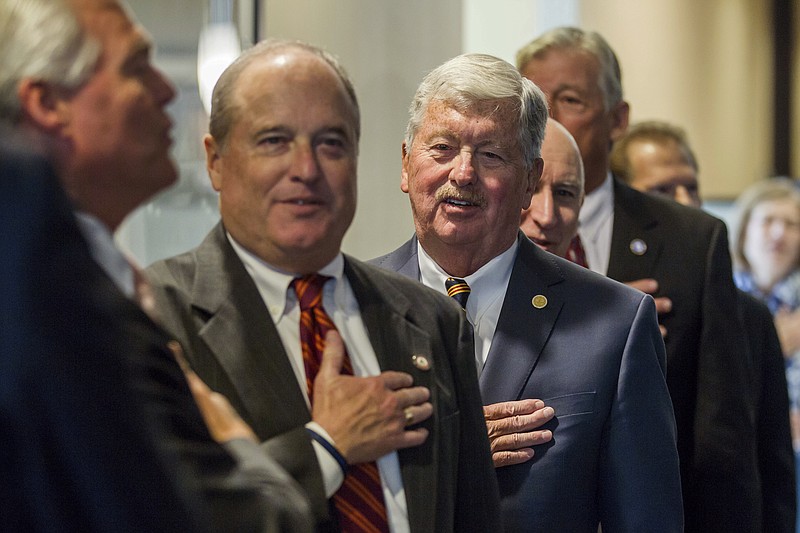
{"x": 282, "y": 153}
{"x": 543, "y": 327}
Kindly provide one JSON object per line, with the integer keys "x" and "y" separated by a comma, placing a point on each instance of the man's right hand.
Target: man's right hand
{"x": 511, "y": 425}
{"x": 663, "y": 303}
{"x": 367, "y": 417}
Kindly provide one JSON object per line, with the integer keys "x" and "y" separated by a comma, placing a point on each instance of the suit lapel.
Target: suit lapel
{"x": 524, "y": 326}
{"x": 636, "y": 239}
{"x": 243, "y": 338}
{"x": 395, "y": 340}
{"x": 403, "y": 260}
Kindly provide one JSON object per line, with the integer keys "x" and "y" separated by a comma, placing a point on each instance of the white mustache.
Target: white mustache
{"x": 449, "y": 192}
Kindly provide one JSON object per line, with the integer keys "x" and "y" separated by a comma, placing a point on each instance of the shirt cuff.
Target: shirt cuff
{"x": 332, "y": 473}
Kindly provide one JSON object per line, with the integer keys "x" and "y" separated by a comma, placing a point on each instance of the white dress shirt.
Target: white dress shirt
{"x": 105, "y": 252}
{"x": 341, "y": 305}
{"x": 487, "y": 292}
{"x": 596, "y": 224}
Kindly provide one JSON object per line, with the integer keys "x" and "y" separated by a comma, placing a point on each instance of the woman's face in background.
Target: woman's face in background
{"x": 772, "y": 241}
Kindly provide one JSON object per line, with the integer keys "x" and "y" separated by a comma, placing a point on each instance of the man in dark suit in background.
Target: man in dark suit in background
{"x": 680, "y": 256}
{"x": 77, "y": 80}
{"x": 655, "y": 157}
{"x": 253, "y": 299}
{"x": 544, "y": 327}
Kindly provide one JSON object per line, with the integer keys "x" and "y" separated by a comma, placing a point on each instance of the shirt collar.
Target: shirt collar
{"x": 273, "y": 283}
{"x": 597, "y": 205}
{"x": 486, "y": 284}
{"x": 105, "y": 252}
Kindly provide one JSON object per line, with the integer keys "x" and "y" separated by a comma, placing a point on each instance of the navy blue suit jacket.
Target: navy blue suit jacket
{"x": 594, "y": 353}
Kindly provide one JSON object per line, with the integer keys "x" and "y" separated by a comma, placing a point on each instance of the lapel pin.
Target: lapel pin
{"x": 539, "y": 301}
{"x": 421, "y": 362}
{"x": 638, "y": 247}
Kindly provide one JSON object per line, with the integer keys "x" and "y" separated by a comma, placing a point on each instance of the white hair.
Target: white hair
{"x": 469, "y": 79}
{"x": 41, "y": 40}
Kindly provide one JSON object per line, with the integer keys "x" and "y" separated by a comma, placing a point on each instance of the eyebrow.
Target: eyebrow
{"x": 286, "y": 130}
{"x": 441, "y": 132}
{"x": 568, "y": 87}
{"x": 141, "y": 47}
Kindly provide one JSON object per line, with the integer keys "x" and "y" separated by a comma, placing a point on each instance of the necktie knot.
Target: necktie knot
{"x": 458, "y": 290}
{"x": 309, "y": 290}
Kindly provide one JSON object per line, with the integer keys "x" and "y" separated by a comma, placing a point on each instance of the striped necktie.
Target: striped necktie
{"x": 458, "y": 290}
{"x": 359, "y": 501}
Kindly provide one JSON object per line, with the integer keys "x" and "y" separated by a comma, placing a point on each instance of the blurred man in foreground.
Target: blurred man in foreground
{"x": 77, "y": 80}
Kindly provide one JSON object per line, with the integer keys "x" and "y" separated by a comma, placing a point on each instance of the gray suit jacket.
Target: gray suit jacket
{"x": 214, "y": 308}
{"x": 595, "y": 354}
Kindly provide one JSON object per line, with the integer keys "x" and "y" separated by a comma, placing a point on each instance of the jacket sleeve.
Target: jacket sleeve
{"x": 640, "y": 486}
{"x": 722, "y": 468}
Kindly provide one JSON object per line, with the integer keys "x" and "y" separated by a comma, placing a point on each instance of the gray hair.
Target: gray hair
{"x": 589, "y": 41}
{"x": 223, "y": 106}
{"x": 780, "y": 188}
{"x": 41, "y": 40}
{"x": 469, "y": 79}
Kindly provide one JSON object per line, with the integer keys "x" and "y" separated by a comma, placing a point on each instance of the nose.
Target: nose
{"x": 682, "y": 196}
{"x": 464, "y": 172}
{"x": 543, "y": 210}
{"x": 163, "y": 89}
{"x": 777, "y": 227}
{"x": 304, "y": 164}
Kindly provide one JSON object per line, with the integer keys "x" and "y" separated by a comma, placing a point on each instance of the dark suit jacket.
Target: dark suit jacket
{"x": 77, "y": 450}
{"x": 768, "y": 379}
{"x": 595, "y": 355}
{"x": 707, "y": 367}
{"x": 98, "y": 429}
{"x": 240, "y": 487}
{"x": 213, "y": 306}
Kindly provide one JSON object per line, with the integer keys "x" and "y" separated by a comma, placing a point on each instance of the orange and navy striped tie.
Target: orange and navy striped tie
{"x": 458, "y": 290}
{"x": 359, "y": 501}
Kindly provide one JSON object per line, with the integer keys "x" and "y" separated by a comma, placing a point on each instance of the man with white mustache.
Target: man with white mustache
{"x": 544, "y": 328}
